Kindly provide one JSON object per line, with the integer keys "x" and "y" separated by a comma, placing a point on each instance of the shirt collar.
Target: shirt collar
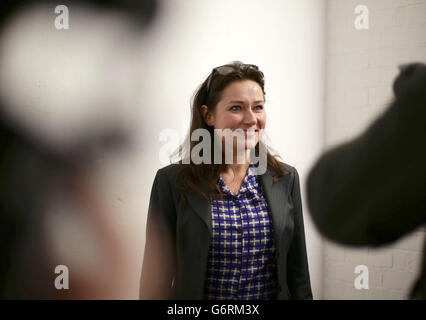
{"x": 250, "y": 184}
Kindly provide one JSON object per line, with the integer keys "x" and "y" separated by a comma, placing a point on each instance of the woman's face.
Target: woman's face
{"x": 241, "y": 107}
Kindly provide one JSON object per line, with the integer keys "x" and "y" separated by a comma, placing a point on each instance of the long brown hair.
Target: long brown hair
{"x": 209, "y": 93}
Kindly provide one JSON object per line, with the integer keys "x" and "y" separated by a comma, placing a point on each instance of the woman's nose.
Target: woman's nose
{"x": 250, "y": 117}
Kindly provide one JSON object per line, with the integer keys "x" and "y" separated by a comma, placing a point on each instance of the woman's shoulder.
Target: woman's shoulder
{"x": 288, "y": 175}
{"x": 169, "y": 172}
{"x": 171, "y": 168}
{"x": 285, "y": 169}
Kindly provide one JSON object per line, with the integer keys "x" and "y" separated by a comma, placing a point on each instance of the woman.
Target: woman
{"x": 219, "y": 230}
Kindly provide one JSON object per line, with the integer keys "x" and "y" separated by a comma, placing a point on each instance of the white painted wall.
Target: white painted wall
{"x": 361, "y": 67}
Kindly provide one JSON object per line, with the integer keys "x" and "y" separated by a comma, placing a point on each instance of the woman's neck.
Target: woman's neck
{"x": 239, "y": 168}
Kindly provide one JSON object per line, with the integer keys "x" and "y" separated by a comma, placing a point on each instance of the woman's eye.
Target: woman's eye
{"x": 259, "y": 107}
{"x": 235, "y": 108}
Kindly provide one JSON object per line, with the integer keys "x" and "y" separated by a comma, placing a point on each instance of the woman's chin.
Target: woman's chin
{"x": 247, "y": 146}
{"x": 250, "y": 144}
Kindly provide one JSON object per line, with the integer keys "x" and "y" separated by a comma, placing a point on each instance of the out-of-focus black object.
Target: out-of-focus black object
{"x": 143, "y": 12}
{"x": 372, "y": 190}
{"x": 30, "y": 170}
{"x": 26, "y": 172}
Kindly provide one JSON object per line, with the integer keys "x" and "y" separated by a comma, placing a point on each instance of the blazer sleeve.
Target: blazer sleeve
{"x": 298, "y": 279}
{"x": 159, "y": 263}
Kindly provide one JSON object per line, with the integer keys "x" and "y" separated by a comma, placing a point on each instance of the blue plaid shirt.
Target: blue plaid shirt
{"x": 241, "y": 256}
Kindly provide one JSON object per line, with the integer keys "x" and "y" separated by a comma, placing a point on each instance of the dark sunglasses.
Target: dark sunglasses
{"x": 227, "y": 69}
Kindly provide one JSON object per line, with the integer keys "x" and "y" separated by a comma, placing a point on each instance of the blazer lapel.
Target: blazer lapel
{"x": 274, "y": 196}
{"x": 201, "y": 206}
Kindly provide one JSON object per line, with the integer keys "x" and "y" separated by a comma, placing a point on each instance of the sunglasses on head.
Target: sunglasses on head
{"x": 227, "y": 69}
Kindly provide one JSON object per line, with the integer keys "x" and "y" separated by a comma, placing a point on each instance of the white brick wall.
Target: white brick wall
{"x": 360, "y": 68}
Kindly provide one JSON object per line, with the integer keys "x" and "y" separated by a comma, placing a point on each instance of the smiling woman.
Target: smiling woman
{"x": 220, "y": 230}
{"x": 247, "y": 113}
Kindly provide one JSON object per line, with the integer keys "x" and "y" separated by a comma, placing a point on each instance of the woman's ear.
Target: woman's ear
{"x": 207, "y": 116}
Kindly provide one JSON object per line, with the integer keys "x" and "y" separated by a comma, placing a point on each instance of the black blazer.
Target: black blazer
{"x": 178, "y": 238}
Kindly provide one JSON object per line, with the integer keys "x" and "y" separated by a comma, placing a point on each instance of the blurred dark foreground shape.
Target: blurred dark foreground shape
{"x": 372, "y": 190}
{"x": 39, "y": 179}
